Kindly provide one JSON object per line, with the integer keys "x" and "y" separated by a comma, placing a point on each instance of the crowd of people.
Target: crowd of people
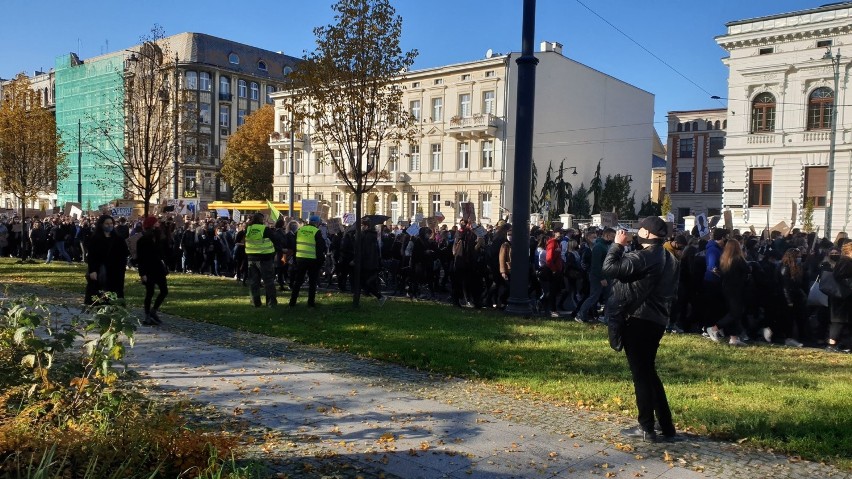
{"x": 733, "y": 286}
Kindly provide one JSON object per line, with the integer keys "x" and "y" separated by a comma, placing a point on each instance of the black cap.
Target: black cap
{"x": 655, "y": 226}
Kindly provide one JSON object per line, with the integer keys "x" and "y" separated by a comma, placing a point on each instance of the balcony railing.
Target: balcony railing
{"x": 761, "y": 139}
{"x": 281, "y": 141}
{"x": 225, "y": 96}
{"x": 821, "y": 135}
{"x": 480, "y": 125}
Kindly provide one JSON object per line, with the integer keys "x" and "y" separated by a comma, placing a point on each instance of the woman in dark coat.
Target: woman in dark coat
{"x": 107, "y": 260}
{"x": 840, "y": 309}
{"x": 151, "y": 253}
{"x": 734, "y": 270}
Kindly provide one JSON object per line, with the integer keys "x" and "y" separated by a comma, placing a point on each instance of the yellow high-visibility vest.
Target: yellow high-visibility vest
{"x": 306, "y": 246}
{"x": 256, "y": 243}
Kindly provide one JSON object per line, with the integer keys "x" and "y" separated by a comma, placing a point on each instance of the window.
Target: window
{"x": 191, "y": 81}
{"x": 414, "y": 108}
{"x": 224, "y": 115}
{"x": 393, "y": 158}
{"x": 414, "y": 158}
{"x": 436, "y": 204}
{"x": 337, "y": 204}
{"x": 242, "y": 88}
{"x": 709, "y": 125}
{"x": 255, "y": 92}
{"x": 261, "y": 65}
{"x": 466, "y": 76}
{"x": 760, "y": 187}
{"x": 234, "y": 59}
{"x": 684, "y": 182}
{"x": 766, "y": 51}
{"x": 823, "y": 43}
{"x": 714, "y": 181}
{"x": 319, "y": 162}
{"x": 464, "y": 105}
{"x": 204, "y": 81}
{"x": 680, "y": 127}
{"x": 224, "y": 88}
{"x": 415, "y": 84}
{"x": 694, "y": 126}
{"x": 685, "y": 148}
{"x": 763, "y": 113}
{"x": 270, "y": 89}
{"x": 716, "y": 126}
{"x": 489, "y": 74}
{"x": 241, "y": 116}
{"x": 820, "y": 108}
{"x": 299, "y": 163}
{"x": 488, "y": 154}
{"x": 394, "y": 207}
{"x": 816, "y": 184}
{"x": 717, "y": 143}
{"x": 204, "y": 114}
{"x": 437, "y": 109}
{"x": 485, "y": 205}
{"x": 464, "y": 156}
{"x": 436, "y": 157}
{"x": 438, "y": 81}
{"x": 189, "y": 177}
{"x": 488, "y": 102}
{"x": 415, "y": 203}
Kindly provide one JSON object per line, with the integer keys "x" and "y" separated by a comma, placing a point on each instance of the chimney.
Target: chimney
{"x": 551, "y": 47}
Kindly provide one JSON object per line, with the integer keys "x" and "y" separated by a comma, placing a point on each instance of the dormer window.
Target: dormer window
{"x": 261, "y": 65}
{"x": 766, "y": 51}
{"x": 234, "y": 59}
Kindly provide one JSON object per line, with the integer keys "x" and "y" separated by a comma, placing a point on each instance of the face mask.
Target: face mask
{"x": 108, "y": 229}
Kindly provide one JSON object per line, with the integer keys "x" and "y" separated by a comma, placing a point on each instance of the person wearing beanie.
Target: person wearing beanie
{"x": 310, "y": 255}
{"x": 151, "y": 250}
{"x": 644, "y": 286}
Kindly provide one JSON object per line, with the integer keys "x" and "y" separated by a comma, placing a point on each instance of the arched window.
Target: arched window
{"x": 191, "y": 81}
{"x": 680, "y": 127}
{"x": 694, "y": 126}
{"x": 261, "y": 65}
{"x": 688, "y": 126}
{"x": 234, "y": 59}
{"x": 709, "y": 125}
{"x": 763, "y": 113}
{"x": 716, "y": 125}
{"x": 820, "y": 108}
{"x": 724, "y": 124}
{"x": 242, "y": 88}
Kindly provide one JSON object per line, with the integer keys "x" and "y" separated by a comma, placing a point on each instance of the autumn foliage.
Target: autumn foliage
{"x": 248, "y": 163}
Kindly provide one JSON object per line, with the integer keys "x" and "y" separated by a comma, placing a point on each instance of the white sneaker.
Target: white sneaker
{"x": 793, "y": 343}
{"x": 713, "y": 334}
{"x": 382, "y": 300}
{"x": 554, "y": 314}
{"x": 767, "y": 335}
{"x": 734, "y": 341}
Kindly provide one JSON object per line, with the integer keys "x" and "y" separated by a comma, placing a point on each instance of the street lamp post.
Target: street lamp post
{"x": 829, "y": 208}
{"x": 175, "y": 120}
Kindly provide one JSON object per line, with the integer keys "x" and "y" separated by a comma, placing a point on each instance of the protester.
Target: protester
{"x": 310, "y": 253}
{"x": 645, "y": 284}
{"x": 260, "y": 253}
{"x": 107, "y": 262}
{"x": 151, "y": 251}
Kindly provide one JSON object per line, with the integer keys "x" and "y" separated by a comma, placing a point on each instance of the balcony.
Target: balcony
{"x": 387, "y": 179}
{"x": 817, "y": 135}
{"x": 225, "y": 96}
{"x": 762, "y": 138}
{"x": 281, "y": 141}
{"x": 483, "y": 125}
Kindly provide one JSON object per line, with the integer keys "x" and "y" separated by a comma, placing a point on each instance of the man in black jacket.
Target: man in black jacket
{"x": 645, "y": 284}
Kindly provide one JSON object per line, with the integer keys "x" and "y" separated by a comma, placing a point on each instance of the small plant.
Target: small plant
{"x": 808, "y": 216}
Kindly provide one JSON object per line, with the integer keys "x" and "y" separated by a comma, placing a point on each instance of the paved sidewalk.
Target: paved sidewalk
{"x": 381, "y": 420}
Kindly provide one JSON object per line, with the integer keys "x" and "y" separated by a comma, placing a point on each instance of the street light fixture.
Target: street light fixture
{"x": 835, "y": 63}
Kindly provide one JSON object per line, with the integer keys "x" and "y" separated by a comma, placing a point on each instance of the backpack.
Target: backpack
{"x": 572, "y": 265}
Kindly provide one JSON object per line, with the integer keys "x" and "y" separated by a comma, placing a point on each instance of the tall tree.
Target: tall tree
{"x": 349, "y": 92}
{"x": 596, "y": 188}
{"x": 31, "y": 155}
{"x": 650, "y": 208}
{"x": 580, "y": 202}
{"x": 535, "y": 198}
{"x": 547, "y": 194}
{"x": 135, "y": 141}
{"x": 564, "y": 190}
{"x": 628, "y": 210}
{"x": 249, "y": 162}
{"x": 616, "y": 193}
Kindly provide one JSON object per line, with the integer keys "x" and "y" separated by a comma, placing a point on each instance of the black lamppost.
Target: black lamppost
{"x": 829, "y": 204}
{"x": 519, "y": 300}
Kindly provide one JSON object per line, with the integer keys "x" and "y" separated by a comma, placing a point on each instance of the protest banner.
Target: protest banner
{"x": 335, "y": 226}
{"x": 222, "y": 213}
{"x": 703, "y": 225}
{"x": 121, "y": 211}
{"x": 414, "y": 229}
{"x": 310, "y": 207}
{"x": 237, "y": 216}
{"x": 609, "y": 219}
{"x": 348, "y": 218}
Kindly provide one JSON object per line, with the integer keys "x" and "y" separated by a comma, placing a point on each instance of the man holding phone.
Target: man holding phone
{"x": 644, "y": 287}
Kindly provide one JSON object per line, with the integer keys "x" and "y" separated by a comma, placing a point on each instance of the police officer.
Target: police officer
{"x": 645, "y": 284}
{"x": 310, "y": 253}
{"x": 260, "y": 254}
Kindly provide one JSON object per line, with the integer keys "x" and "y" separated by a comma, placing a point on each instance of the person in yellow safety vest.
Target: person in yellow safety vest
{"x": 310, "y": 255}
{"x": 260, "y": 254}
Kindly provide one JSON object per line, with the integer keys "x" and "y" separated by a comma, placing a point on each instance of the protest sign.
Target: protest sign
{"x": 703, "y": 225}
{"x": 76, "y": 212}
{"x": 414, "y": 229}
{"x": 348, "y": 218}
{"x": 222, "y": 213}
{"x": 335, "y": 226}
{"x": 121, "y": 211}
{"x": 237, "y": 216}
{"x": 467, "y": 212}
{"x": 609, "y": 219}
{"x": 310, "y": 207}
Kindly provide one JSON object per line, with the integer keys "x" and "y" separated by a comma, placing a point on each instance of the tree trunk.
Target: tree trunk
{"x": 25, "y": 236}
{"x": 356, "y": 273}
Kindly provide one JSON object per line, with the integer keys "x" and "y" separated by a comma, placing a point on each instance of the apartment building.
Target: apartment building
{"x": 694, "y": 162}
{"x": 222, "y": 82}
{"x": 465, "y": 148}
{"x": 781, "y": 97}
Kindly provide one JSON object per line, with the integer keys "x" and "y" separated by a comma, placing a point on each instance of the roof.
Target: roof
{"x": 824, "y": 8}
{"x": 200, "y": 48}
{"x": 657, "y": 162}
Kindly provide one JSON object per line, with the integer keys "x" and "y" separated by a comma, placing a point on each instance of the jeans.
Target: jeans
{"x": 59, "y": 247}
{"x": 262, "y": 269}
{"x": 596, "y": 291}
{"x": 641, "y": 339}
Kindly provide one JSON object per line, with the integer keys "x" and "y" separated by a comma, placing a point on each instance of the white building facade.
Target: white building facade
{"x": 464, "y": 151}
{"x": 781, "y": 96}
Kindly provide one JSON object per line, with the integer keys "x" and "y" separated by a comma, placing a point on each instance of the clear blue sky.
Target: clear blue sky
{"x": 680, "y": 32}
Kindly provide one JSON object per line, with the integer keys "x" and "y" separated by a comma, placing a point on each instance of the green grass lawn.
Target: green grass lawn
{"x": 797, "y": 401}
